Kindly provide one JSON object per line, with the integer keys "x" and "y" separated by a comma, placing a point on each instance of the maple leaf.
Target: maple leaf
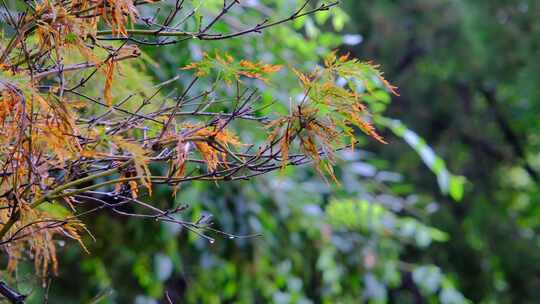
{"x": 231, "y": 70}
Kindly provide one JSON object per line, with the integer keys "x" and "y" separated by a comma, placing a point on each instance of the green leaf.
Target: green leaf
{"x": 457, "y": 187}
{"x": 438, "y": 235}
{"x": 55, "y": 210}
{"x": 322, "y": 17}
{"x": 339, "y": 20}
{"x": 448, "y": 183}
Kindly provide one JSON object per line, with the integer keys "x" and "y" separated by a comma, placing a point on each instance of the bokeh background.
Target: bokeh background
{"x": 447, "y": 212}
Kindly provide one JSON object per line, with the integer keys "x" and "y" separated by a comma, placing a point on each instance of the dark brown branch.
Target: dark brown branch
{"x": 511, "y": 137}
{"x": 10, "y": 294}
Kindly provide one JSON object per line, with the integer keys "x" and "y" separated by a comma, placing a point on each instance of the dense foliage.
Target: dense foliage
{"x": 471, "y": 90}
{"x": 170, "y": 140}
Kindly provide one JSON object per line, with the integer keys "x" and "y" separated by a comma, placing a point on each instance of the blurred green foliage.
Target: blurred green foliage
{"x": 466, "y": 70}
{"x": 392, "y": 230}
